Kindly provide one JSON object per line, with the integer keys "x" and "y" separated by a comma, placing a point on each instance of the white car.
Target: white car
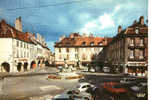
{"x": 82, "y": 87}
{"x": 92, "y": 70}
{"x": 106, "y": 69}
{"x": 71, "y": 94}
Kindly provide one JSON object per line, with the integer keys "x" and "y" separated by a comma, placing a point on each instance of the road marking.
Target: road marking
{"x": 49, "y": 87}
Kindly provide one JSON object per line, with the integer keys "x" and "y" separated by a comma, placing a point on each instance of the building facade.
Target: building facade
{"x": 78, "y": 49}
{"x": 20, "y": 51}
{"x": 128, "y": 51}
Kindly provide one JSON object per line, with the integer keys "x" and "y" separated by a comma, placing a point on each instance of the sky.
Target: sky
{"x": 54, "y": 18}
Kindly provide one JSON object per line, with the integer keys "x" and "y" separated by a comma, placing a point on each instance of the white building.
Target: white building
{"x": 19, "y": 51}
{"x": 78, "y": 49}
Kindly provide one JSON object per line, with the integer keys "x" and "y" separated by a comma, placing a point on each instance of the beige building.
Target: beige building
{"x": 128, "y": 51}
{"x": 20, "y": 51}
{"x": 78, "y": 48}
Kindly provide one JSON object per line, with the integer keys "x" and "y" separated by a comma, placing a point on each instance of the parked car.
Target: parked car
{"x": 92, "y": 70}
{"x": 106, "y": 69}
{"x": 82, "y": 87}
{"x": 128, "y": 81}
{"x": 65, "y": 96}
{"x": 73, "y": 95}
{"x": 114, "y": 87}
{"x": 140, "y": 90}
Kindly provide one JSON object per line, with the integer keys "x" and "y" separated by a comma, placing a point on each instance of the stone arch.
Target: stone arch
{"x": 33, "y": 65}
{"x": 6, "y": 66}
{"x": 19, "y": 66}
{"x": 25, "y": 66}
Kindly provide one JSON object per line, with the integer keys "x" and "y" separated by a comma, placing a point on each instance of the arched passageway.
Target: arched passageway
{"x": 25, "y": 66}
{"x": 6, "y": 66}
{"x": 19, "y": 66}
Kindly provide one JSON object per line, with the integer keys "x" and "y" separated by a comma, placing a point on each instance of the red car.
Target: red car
{"x": 114, "y": 87}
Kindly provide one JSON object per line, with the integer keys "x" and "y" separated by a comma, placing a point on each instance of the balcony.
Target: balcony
{"x": 137, "y": 46}
{"x": 139, "y": 58}
{"x": 131, "y": 45}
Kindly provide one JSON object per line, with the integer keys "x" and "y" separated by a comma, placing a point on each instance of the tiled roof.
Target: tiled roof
{"x": 143, "y": 28}
{"x": 82, "y": 41}
{"x": 7, "y": 31}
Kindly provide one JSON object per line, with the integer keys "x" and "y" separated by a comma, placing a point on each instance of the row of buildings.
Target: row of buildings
{"x": 127, "y": 52}
{"x": 21, "y": 51}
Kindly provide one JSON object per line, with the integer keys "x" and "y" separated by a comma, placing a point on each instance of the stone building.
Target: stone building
{"x": 78, "y": 49}
{"x": 19, "y": 51}
{"x": 128, "y": 51}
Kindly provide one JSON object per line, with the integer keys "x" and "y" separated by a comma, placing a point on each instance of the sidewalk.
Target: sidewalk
{"x": 37, "y": 71}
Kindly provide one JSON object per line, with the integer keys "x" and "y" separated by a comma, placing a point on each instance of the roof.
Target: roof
{"x": 82, "y": 41}
{"x": 7, "y": 31}
{"x": 142, "y": 27}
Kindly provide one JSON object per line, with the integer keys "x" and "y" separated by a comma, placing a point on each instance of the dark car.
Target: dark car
{"x": 113, "y": 87}
{"x": 128, "y": 81}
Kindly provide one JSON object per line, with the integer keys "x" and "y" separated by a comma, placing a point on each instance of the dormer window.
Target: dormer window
{"x": 92, "y": 43}
{"x": 84, "y": 43}
{"x": 136, "y": 30}
{"x": 100, "y": 43}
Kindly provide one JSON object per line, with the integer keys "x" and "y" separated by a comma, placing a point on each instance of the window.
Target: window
{"x": 67, "y": 49}
{"x": 84, "y": 57}
{"x": 59, "y": 49}
{"x": 84, "y": 43}
{"x": 141, "y": 42}
{"x": 76, "y": 56}
{"x": 132, "y": 42}
{"x": 132, "y": 54}
{"x": 67, "y": 57}
{"x": 92, "y": 43}
{"x": 136, "y": 30}
{"x": 141, "y": 56}
{"x": 76, "y": 49}
{"x": 20, "y": 44}
{"x": 17, "y": 43}
{"x": 24, "y": 45}
{"x": 100, "y": 43}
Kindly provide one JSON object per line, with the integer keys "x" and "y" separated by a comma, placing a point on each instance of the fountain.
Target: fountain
{"x": 66, "y": 72}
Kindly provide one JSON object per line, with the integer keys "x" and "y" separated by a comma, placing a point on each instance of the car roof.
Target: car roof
{"x": 84, "y": 83}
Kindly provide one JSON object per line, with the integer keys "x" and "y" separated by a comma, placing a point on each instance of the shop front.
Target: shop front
{"x": 137, "y": 69}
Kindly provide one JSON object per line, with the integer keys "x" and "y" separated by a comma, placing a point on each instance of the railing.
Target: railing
{"x": 139, "y": 58}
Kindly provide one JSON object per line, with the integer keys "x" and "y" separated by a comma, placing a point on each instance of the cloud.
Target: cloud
{"x": 96, "y": 26}
{"x": 106, "y": 21}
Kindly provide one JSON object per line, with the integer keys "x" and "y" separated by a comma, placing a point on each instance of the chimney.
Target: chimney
{"x": 18, "y": 24}
{"x": 134, "y": 22}
{"x": 141, "y": 20}
{"x": 91, "y": 35}
{"x": 84, "y": 35}
{"x": 119, "y": 29}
